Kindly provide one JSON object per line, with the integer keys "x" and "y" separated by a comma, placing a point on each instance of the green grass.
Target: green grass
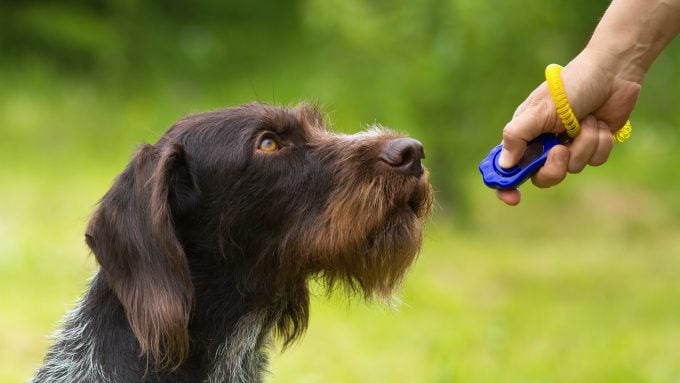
{"x": 585, "y": 290}
{"x": 480, "y": 309}
{"x": 577, "y": 284}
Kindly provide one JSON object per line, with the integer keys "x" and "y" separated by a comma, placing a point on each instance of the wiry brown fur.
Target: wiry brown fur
{"x": 207, "y": 244}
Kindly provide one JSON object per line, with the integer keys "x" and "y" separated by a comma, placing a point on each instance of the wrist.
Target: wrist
{"x": 595, "y": 83}
{"x": 618, "y": 61}
{"x": 632, "y": 34}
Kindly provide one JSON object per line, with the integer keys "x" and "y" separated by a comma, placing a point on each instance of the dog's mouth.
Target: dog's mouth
{"x": 415, "y": 203}
{"x": 418, "y": 198}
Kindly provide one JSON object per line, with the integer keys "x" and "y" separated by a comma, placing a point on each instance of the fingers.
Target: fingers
{"x": 591, "y": 147}
{"x": 605, "y": 145}
{"x": 534, "y": 116}
{"x": 555, "y": 168}
{"x": 513, "y": 143}
{"x": 510, "y": 197}
{"x": 584, "y": 145}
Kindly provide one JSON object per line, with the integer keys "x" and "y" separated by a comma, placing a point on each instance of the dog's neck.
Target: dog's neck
{"x": 96, "y": 344}
{"x": 242, "y": 358}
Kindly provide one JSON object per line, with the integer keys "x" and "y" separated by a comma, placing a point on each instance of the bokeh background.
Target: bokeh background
{"x": 579, "y": 283}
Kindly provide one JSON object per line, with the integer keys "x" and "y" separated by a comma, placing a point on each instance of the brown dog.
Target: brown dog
{"x": 208, "y": 238}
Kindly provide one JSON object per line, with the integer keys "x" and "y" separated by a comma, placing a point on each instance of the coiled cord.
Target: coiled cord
{"x": 564, "y": 111}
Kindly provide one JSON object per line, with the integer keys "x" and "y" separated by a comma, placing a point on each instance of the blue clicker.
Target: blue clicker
{"x": 534, "y": 157}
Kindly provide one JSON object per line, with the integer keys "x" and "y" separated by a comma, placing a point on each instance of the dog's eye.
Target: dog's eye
{"x": 268, "y": 144}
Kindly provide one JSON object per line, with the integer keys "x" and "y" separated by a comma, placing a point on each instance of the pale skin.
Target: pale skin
{"x": 602, "y": 84}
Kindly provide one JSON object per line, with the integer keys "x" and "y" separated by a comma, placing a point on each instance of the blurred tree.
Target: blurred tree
{"x": 449, "y": 72}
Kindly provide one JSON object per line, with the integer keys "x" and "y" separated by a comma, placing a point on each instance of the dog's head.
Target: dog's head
{"x": 269, "y": 192}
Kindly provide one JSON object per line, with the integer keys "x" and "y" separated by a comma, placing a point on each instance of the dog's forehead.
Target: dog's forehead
{"x": 304, "y": 120}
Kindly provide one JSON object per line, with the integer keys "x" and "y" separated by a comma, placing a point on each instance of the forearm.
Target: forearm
{"x": 632, "y": 33}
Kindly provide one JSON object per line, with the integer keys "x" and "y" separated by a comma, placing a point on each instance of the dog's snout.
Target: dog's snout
{"x": 404, "y": 155}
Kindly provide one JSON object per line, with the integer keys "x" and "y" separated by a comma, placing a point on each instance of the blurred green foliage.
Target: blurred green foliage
{"x": 577, "y": 284}
{"x": 449, "y": 71}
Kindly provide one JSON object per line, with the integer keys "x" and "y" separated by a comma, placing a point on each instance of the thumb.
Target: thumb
{"x": 538, "y": 116}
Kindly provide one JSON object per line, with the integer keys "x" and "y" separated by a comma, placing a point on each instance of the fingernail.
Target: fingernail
{"x": 504, "y": 159}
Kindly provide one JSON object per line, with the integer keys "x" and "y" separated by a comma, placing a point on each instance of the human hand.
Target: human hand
{"x": 596, "y": 89}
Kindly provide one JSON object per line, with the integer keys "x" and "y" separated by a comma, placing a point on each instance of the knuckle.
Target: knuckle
{"x": 548, "y": 177}
{"x": 576, "y": 167}
{"x": 597, "y": 161}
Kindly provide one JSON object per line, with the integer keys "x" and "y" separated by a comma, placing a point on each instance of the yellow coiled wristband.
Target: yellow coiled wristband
{"x": 564, "y": 111}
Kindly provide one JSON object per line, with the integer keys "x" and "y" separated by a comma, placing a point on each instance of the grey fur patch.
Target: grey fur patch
{"x": 243, "y": 356}
{"x": 72, "y": 357}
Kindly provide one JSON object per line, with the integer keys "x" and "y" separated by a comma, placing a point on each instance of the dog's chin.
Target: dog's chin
{"x": 375, "y": 258}
{"x": 418, "y": 198}
{"x": 390, "y": 250}
{"x": 388, "y": 256}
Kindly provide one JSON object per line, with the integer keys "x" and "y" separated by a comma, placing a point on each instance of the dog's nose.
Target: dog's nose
{"x": 404, "y": 155}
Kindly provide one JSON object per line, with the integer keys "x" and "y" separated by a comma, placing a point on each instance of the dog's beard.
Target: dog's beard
{"x": 375, "y": 263}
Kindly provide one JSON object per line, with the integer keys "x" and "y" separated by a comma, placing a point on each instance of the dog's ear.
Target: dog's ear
{"x": 134, "y": 239}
